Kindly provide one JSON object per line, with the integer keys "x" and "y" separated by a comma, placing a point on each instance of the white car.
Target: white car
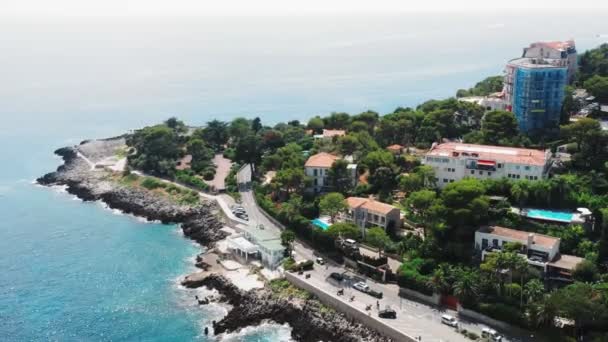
{"x": 491, "y": 334}
{"x": 361, "y": 286}
{"x": 449, "y": 320}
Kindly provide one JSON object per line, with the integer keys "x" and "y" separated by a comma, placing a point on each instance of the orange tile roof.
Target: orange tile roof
{"x": 322, "y": 159}
{"x": 498, "y": 153}
{"x": 328, "y": 133}
{"x": 370, "y": 205}
{"x": 395, "y": 147}
{"x": 539, "y": 239}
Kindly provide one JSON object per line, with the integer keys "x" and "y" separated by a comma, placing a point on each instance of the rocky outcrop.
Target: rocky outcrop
{"x": 200, "y": 223}
{"x": 308, "y": 319}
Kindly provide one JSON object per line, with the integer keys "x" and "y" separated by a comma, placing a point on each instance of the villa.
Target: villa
{"x": 366, "y": 213}
{"x": 539, "y": 250}
{"x": 317, "y": 167}
{"x": 330, "y": 134}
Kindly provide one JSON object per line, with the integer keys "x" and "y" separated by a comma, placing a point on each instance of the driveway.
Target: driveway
{"x": 221, "y": 172}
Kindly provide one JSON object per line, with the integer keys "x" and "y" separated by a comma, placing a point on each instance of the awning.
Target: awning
{"x": 486, "y": 162}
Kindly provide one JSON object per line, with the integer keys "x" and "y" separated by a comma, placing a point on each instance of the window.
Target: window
{"x": 445, "y": 180}
{"x": 451, "y": 181}
{"x": 382, "y": 219}
{"x": 495, "y": 242}
{"x": 314, "y": 172}
{"x": 499, "y": 165}
{"x": 489, "y": 173}
{"x": 516, "y": 167}
{"x": 472, "y": 172}
{"x": 527, "y": 168}
{"x": 375, "y": 217}
{"x": 480, "y": 173}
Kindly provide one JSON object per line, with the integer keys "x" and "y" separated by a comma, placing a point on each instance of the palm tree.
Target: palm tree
{"x": 440, "y": 280}
{"x": 534, "y": 290}
{"x": 466, "y": 286}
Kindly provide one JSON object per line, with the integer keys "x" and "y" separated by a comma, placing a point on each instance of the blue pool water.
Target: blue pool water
{"x": 320, "y": 224}
{"x": 549, "y": 215}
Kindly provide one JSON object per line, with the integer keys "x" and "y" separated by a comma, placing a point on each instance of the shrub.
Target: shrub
{"x": 471, "y": 335}
{"x": 208, "y": 174}
{"x": 152, "y": 183}
{"x": 502, "y": 312}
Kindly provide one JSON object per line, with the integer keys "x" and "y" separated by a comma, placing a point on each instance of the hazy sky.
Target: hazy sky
{"x": 201, "y": 7}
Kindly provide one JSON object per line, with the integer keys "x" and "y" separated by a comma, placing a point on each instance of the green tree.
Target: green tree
{"x": 348, "y": 144}
{"x": 603, "y": 243}
{"x": 256, "y": 125}
{"x": 499, "y": 127}
{"x": 466, "y": 286}
{"x": 345, "y": 230}
{"x": 339, "y": 176}
{"x": 201, "y": 154}
{"x": 248, "y": 149}
{"x": 332, "y": 204}
{"x": 316, "y": 124}
{"x": 582, "y": 303}
{"x": 215, "y": 133}
{"x": 485, "y": 87}
{"x": 239, "y": 128}
{"x": 585, "y": 271}
{"x": 156, "y": 150}
{"x": 376, "y": 159}
{"x": 420, "y": 202}
{"x": 581, "y": 131}
{"x": 290, "y": 180}
{"x": 378, "y": 238}
{"x": 176, "y": 125}
{"x": 598, "y": 86}
{"x": 287, "y": 239}
{"x": 534, "y": 290}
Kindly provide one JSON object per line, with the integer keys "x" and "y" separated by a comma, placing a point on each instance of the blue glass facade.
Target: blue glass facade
{"x": 537, "y": 97}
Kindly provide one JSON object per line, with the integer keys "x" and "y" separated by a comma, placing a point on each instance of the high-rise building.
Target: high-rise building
{"x": 564, "y": 52}
{"x": 534, "y": 92}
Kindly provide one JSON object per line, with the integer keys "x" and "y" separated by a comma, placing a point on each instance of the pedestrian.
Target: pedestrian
{"x": 378, "y": 304}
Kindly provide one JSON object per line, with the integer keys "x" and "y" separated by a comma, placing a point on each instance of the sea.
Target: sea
{"x": 74, "y": 271}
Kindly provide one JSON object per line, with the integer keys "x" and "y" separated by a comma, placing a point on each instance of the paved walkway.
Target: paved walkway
{"x": 221, "y": 172}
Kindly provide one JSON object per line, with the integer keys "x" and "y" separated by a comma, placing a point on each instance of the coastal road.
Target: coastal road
{"x": 413, "y": 318}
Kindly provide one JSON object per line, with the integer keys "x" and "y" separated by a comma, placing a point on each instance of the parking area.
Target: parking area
{"x": 414, "y": 319}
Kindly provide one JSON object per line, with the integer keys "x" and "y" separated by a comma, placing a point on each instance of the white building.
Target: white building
{"x": 366, "y": 213}
{"x": 330, "y": 134}
{"x": 539, "y": 250}
{"x": 543, "y": 246}
{"x": 257, "y": 244}
{"x": 455, "y": 161}
{"x": 564, "y": 52}
{"x": 317, "y": 168}
{"x": 493, "y": 102}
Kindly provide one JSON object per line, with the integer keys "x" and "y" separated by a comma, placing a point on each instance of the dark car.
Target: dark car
{"x": 337, "y": 276}
{"x": 387, "y": 313}
{"x": 375, "y": 293}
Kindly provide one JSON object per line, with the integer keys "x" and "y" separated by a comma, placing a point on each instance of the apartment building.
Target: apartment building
{"x": 367, "y": 213}
{"x": 562, "y": 51}
{"x": 317, "y": 168}
{"x": 534, "y": 92}
{"x": 455, "y": 161}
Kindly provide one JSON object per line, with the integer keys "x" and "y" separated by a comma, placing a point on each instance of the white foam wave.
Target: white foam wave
{"x": 271, "y": 331}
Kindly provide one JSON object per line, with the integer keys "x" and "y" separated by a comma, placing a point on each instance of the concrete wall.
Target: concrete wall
{"x": 435, "y": 299}
{"x": 354, "y": 313}
{"x": 476, "y": 316}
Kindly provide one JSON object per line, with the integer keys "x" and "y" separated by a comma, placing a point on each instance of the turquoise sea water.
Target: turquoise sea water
{"x": 78, "y": 272}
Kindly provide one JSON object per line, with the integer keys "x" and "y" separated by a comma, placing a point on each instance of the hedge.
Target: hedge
{"x": 502, "y": 312}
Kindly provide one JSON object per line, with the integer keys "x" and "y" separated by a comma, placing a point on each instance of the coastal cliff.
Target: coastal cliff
{"x": 199, "y": 222}
{"x": 310, "y": 321}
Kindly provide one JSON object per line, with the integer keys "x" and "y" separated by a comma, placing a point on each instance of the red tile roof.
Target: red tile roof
{"x": 538, "y": 239}
{"x": 395, "y": 147}
{"x": 369, "y": 204}
{"x": 497, "y": 153}
{"x": 328, "y": 133}
{"x": 322, "y": 159}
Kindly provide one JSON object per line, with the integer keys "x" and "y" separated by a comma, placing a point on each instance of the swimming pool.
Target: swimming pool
{"x": 549, "y": 215}
{"x": 321, "y": 224}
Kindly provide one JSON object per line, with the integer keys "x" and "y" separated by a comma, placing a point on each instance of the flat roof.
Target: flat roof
{"x": 243, "y": 244}
{"x": 500, "y": 153}
{"x": 536, "y": 63}
{"x": 566, "y": 262}
{"x": 538, "y": 239}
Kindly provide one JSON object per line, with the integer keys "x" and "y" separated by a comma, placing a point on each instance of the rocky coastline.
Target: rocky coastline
{"x": 199, "y": 223}
{"x": 310, "y": 322}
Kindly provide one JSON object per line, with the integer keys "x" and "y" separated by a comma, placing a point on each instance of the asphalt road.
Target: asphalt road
{"x": 413, "y": 318}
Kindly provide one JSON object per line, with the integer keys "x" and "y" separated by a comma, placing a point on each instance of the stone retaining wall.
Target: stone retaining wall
{"x": 354, "y": 313}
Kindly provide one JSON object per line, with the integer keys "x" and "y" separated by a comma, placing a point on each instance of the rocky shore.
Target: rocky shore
{"x": 308, "y": 319}
{"x": 88, "y": 183}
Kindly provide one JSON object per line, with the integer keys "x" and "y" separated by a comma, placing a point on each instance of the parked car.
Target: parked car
{"x": 387, "y": 313}
{"x": 320, "y": 261}
{"x": 361, "y": 286}
{"x": 375, "y": 293}
{"x": 449, "y": 320}
{"x": 491, "y": 334}
{"x": 337, "y": 276}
